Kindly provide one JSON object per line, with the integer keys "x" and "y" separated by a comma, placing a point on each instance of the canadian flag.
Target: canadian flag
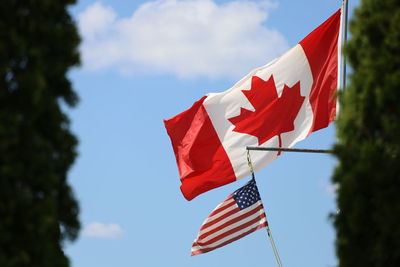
{"x": 275, "y": 105}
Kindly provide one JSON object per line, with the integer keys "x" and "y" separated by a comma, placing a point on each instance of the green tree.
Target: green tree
{"x": 38, "y": 211}
{"x": 368, "y": 148}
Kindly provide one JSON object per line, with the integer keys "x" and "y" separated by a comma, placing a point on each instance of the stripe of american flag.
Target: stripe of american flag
{"x": 239, "y": 215}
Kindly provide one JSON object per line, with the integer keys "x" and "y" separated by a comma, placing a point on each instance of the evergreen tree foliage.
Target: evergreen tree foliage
{"x": 38, "y": 211}
{"x": 368, "y": 148}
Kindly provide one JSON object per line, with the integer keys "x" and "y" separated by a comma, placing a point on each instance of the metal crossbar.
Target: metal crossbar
{"x": 306, "y": 150}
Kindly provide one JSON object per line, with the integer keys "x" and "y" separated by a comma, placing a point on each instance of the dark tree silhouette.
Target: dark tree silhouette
{"x": 38, "y": 211}
{"x": 368, "y": 148}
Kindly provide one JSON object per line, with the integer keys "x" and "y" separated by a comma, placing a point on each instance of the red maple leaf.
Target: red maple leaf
{"x": 273, "y": 115}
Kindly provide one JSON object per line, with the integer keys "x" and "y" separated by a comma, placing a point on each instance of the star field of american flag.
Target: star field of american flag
{"x": 247, "y": 195}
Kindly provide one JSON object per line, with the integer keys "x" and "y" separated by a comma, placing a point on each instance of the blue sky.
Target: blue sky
{"x": 145, "y": 61}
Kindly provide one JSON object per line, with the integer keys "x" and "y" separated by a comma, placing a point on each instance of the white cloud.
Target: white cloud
{"x": 186, "y": 38}
{"x": 328, "y": 188}
{"x": 96, "y": 20}
{"x": 103, "y": 230}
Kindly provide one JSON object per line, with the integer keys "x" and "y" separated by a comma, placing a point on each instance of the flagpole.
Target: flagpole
{"x": 271, "y": 239}
{"x": 343, "y": 37}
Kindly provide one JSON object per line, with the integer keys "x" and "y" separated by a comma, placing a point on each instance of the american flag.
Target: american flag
{"x": 239, "y": 215}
